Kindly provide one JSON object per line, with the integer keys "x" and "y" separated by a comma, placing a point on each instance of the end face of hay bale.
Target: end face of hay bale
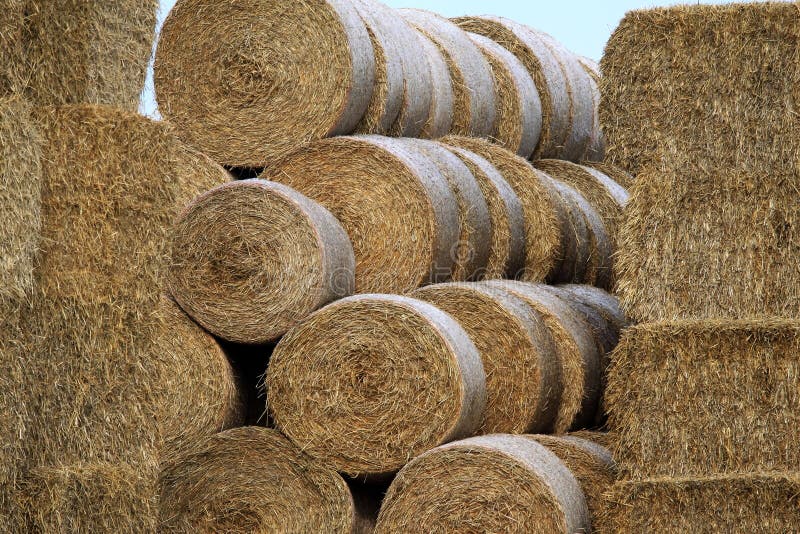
{"x": 397, "y": 208}
{"x": 251, "y": 259}
{"x": 705, "y": 397}
{"x": 495, "y": 483}
{"x": 221, "y": 75}
{"x": 251, "y": 479}
{"x": 393, "y": 378}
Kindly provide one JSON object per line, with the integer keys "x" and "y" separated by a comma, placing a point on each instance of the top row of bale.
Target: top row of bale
{"x": 249, "y": 82}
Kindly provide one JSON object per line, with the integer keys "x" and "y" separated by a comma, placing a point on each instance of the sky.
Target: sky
{"x": 583, "y": 26}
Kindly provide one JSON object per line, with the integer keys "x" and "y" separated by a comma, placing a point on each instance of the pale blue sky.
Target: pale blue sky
{"x": 582, "y": 25}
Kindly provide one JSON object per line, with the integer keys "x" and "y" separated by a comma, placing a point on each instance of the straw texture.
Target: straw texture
{"x": 439, "y": 119}
{"x": 618, "y": 174}
{"x": 251, "y": 259}
{"x": 392, "y": 376}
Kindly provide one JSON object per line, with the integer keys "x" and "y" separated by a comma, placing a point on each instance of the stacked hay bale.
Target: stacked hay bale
{"x": 702, "y": 394}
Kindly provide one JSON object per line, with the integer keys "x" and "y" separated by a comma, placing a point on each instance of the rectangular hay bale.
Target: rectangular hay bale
{"x": 694, "y": 398}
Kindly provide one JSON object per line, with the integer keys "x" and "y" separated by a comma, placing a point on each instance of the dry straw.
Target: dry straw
{"x": 251, "y": 479}
{"x": 542, "y": 209}
{"x": 618, "y": 174}
{"x": 596, "y": 150}
{"x": 605, "y": 303}
{"x": 661, "y": 104}
{"x": 576, "y": 236}
{"x": 251, "y": 259}
{"x": 471, "y": 75}
{"x": 250, "y": 81}
{"x": 544, "y": 68}
{"x": 578, "y": 353}
{"x": 518, "y": 121}
{"x": 759, "y": 502}
{"x": 471, "y": 251}
{"x": 590, "y": 463}
{"x": 497, "y": 483}
{"x": 603, "y": 439}
{"x": 392, "y": 376}
{"x": 439, "y": 119}
{"x": 523, "y": 373}
{"x": 395, "y": 205}
{"x": 704, "y": 397}
{"x": 12, "y": 47}
{"x": 506, "y": 216}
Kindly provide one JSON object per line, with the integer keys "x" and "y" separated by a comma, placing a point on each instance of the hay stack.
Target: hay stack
{"x": 590, "y": 463}
{"x": 605, "y": 303}
{"x": 543, "y": 211}
{"x": 471, "y": 251}
{"x": 506, "y": 216}
{"x": 523, "y": 373}
{"x": 439, "y": 119}
{"x": 251, "y": 259}
{"x": 603, "y": 439}
{"x": 493, "y": 483}
{"x": 392, "y": 376}
{"x": 766, "y": 502}
{"x": 725, "y": 393}
{"x": 545, "y": 69}
{"x": 395, "y": 205}
{"x": 518, "y": 122}
{"x": 221, "y": 75}
{"x": 578, "y": 353}
{"x": 618, "y": 174}
{"x": 597, "y": 267}
{"x": 474, "y": 96}
{"x": 596, "y": 150}
{"x": 12, "y": 47}
{"x": 251, "y": 479}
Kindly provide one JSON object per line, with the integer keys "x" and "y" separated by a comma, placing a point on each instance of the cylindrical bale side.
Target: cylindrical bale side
{"x": 575, "y": 234}
{"x": 439, "y": 116}
{"x": 251, "y": 259}
{"x": 618, "y": 174}
{"x": 248, "y": 82}
{"x": 602, "y": 301}
{"x": 596, "y": 151}
{"x": 392, "y": 377}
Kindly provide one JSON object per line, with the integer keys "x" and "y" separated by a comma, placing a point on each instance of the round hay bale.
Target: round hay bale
{"x": 604, "y": 302}
{"x": 590, "y": 463}
{"x": 523, "y": 374}
{"x": 542, "y": 209}
{"x": 397, "y": 208}
{"x": 599, "y": 267}
{"x": 473, "y": 86}
{"x": 604, "y": 439}
{"x": 251, "y": 479}
{"x": 439, "y": 117}
{"x": 250, "y": 81}
{"x": 392, "y": 377}
{"x": 604, "y": 332}
{"x": 618, "y": 174}
{"x": 543, "y": 66}
{"x": 250, "y": 259}
{"x": 596, "y": 151}
{"x": 493, "y": 483}
{"x": 507, "y": 219}
{"x": 471, "y": 251}
{"x": 578, "y": 354}
{"x": 518, "y": 121}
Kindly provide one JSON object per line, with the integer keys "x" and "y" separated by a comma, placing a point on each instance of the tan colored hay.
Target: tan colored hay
{"x": 474, "y": 102}
{"x": 543, "y": 67}
{"x": 576, "y": 236}
{"x": 507, "y": 219}
{"x": 618, "y": 174}
{"x": 221, "y": 75}
{"x": 493, "y": 483}
{"x": 12, "y": 47}
{"x": 20, "y": 183}
{"x": 542, "y": 208}
{"x": 603, "y": 439}
{"x": 518, "y": 121}
{"x": 523, "y": 373}
{"x": 251, "y": 479}
{"x": 392, "y": 377}
{"x": 439, "y": 119}
{"x": 768, "y": 502}
{"x": 251, "y": 259}
{"x": 596, "y": 151}
{"x": 590, "y": 463}
{"x": 599, "y": 266}
{"x": 692, "y": 398}
{"x": 578, "y": 353}
{"x": 398, "y": 210}
{"x": 471, "y": 251}
{"x": 603, "y": 302}
{"x": 90, "y": 497}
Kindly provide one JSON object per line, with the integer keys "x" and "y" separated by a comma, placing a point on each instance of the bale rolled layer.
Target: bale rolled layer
{"x": 439, "y": 117}
{"x": 496, "y": 483}
{"x": 766, "y": 502}
{"x": 474, "y": 105}
{"x": 596, "y": 150}
{"x": 544, "y": 68}
{"x": 251, "y": 81}
{"x": 392, "y": 376}
{"x": 602, "y": 301}
{"x": 576, "y": 236}
{"x": 251, "y": 479}
{"x": 396, "y": 207}
{"x": 599, "y": 265}
{"x": 601, "y": 438}
{"x": 251, "y": 259}
{"x": 618, "y": 174}
{"x": 542, "y": 209}
{"x": 518, "y": 118}
{"x": 690, "y": 398}
{"x": 523, "y": 374}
